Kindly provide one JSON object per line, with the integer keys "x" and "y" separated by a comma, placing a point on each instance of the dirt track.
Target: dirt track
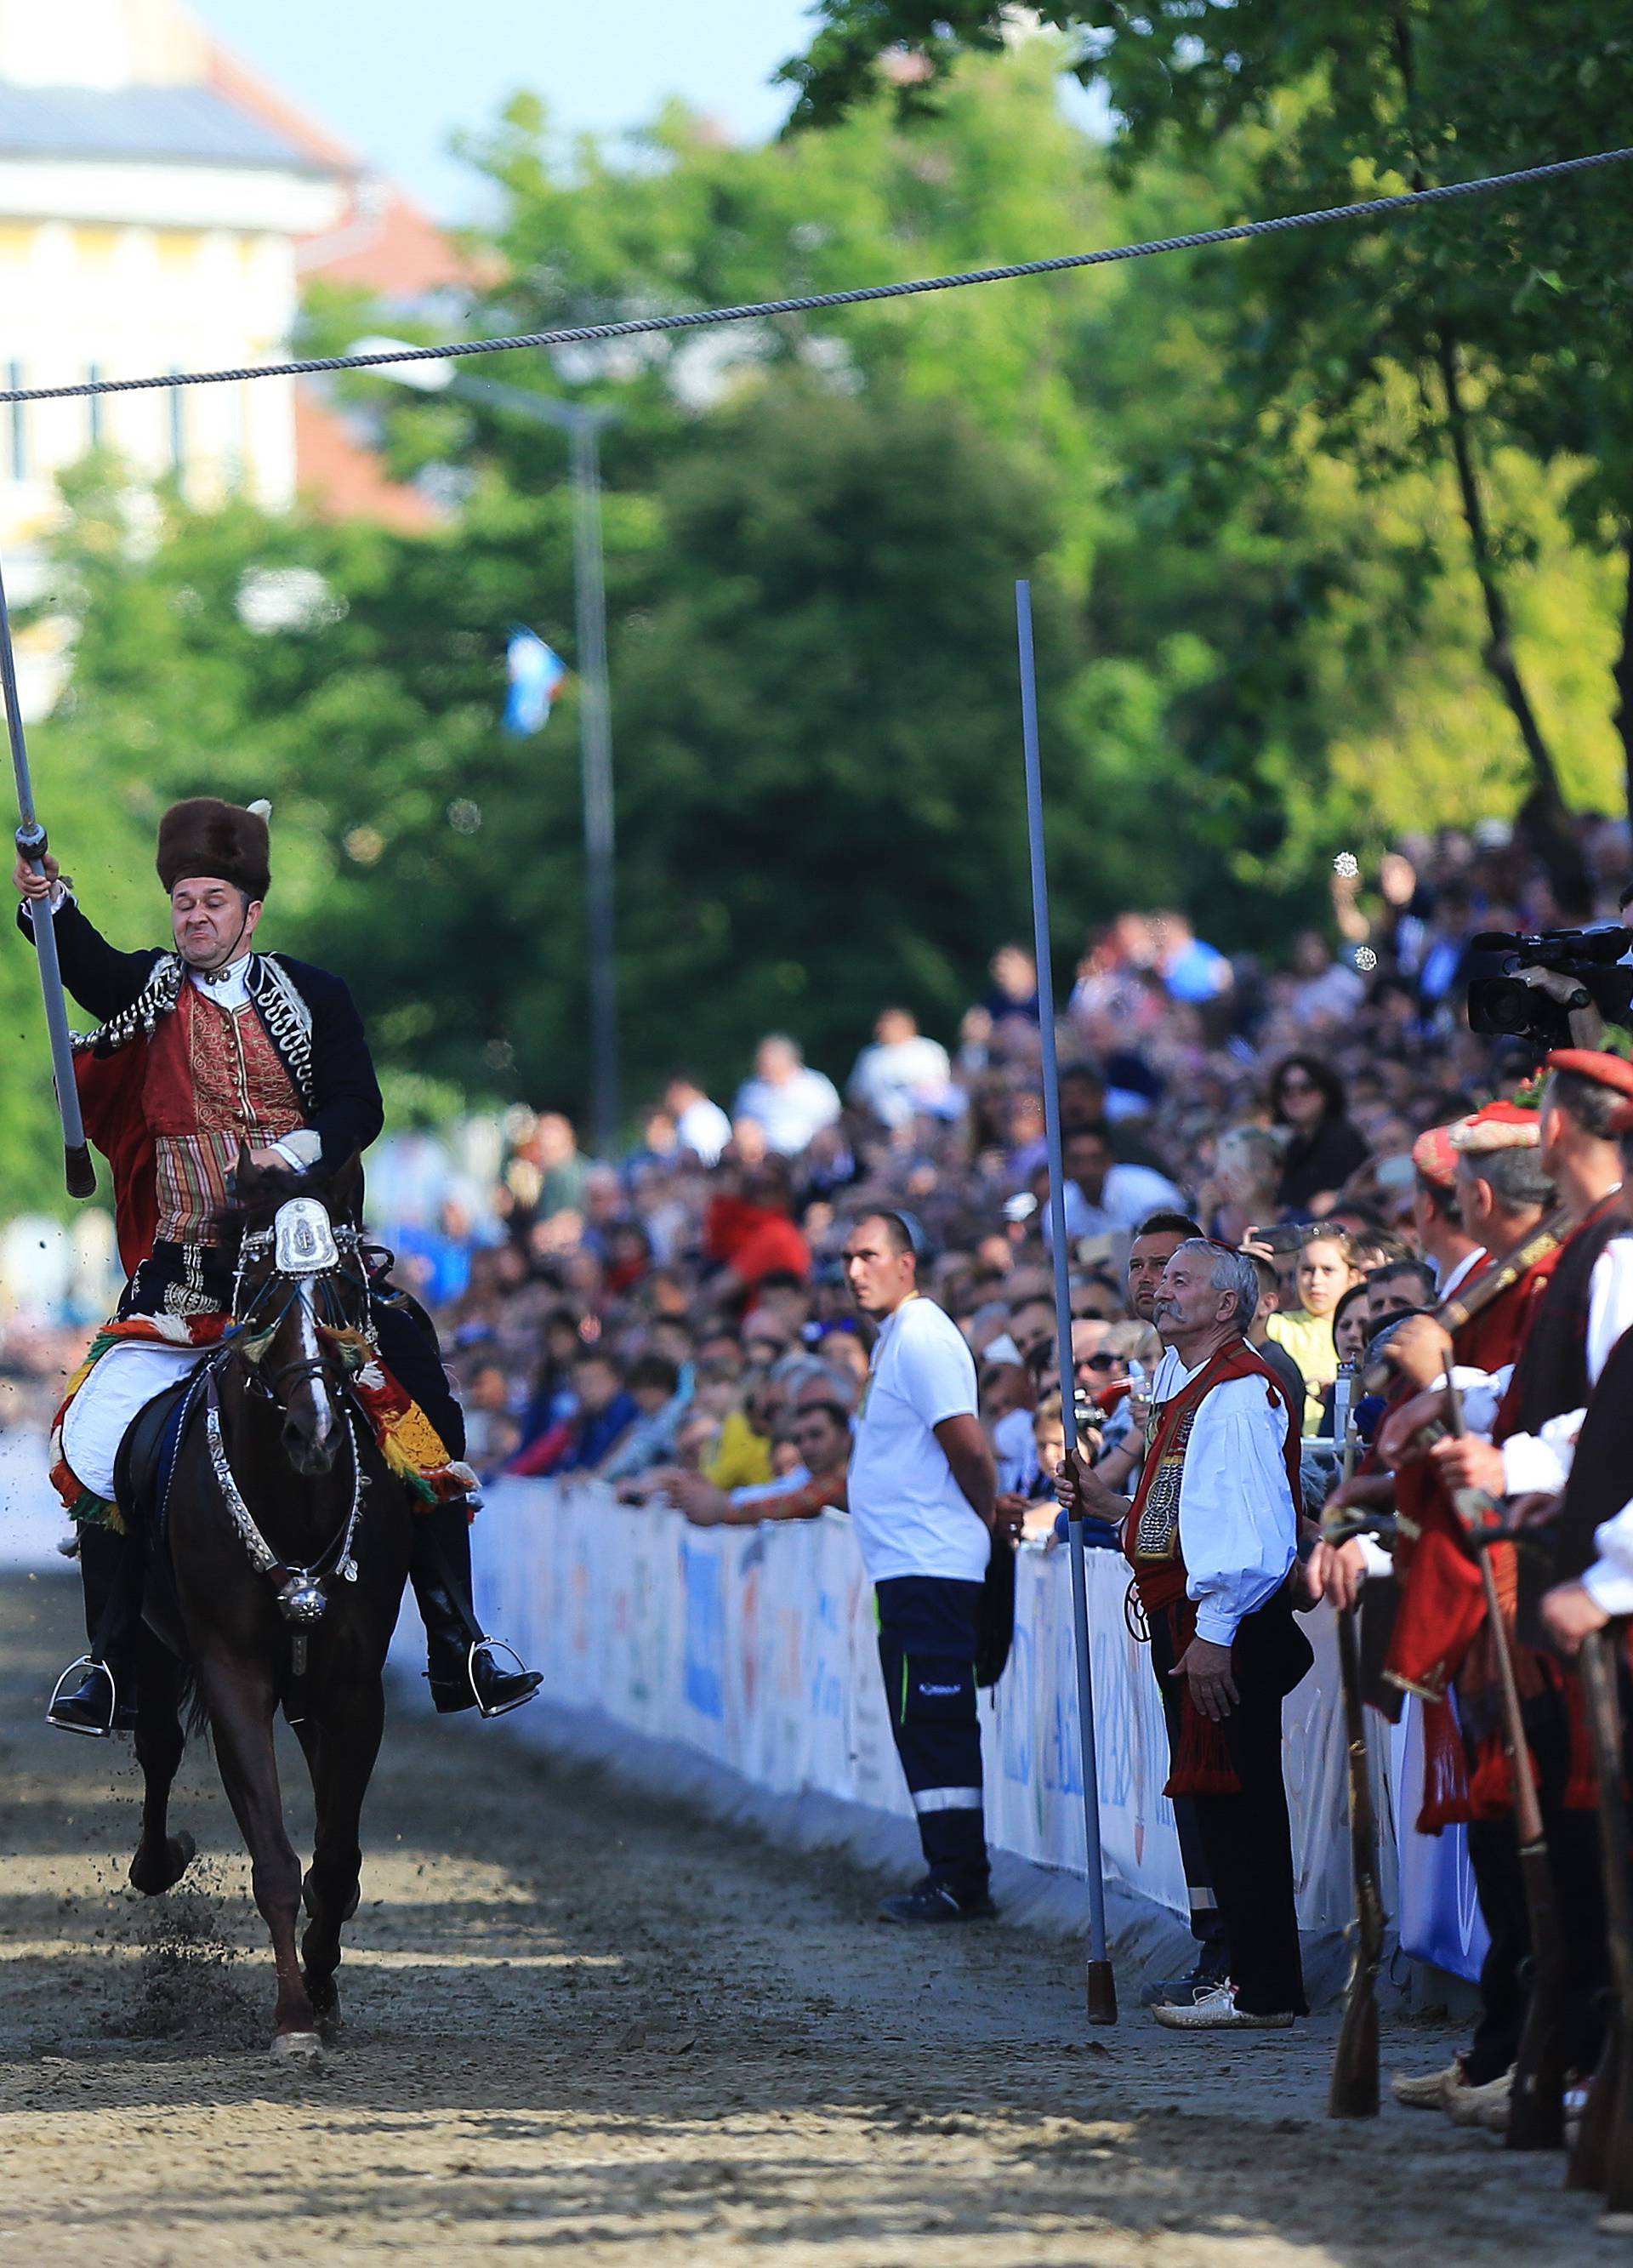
{"x": 577, "y": 2019}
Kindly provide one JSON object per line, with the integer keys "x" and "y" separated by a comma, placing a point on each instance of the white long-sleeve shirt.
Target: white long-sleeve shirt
{"x": 1540, "y": 1461}
{"x": 1239, "y": 1532}
{"x": 1609, "y": 1580}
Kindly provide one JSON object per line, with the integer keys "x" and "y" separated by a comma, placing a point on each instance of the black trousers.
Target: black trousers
{"x": 927, "y": 1631}
{"x": 1207, "y": 1922}
{"x": 1574, "y": 1863}
{"x": 1247, "y": 1840}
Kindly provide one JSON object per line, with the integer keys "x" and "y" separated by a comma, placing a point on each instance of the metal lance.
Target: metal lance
{"x": 31, "y": 843}
{"x": 1102, "y": 1989}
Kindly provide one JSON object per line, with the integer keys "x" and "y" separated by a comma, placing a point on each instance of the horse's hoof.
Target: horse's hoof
{"x": 179, "y": 1853}
{"x": 303, "y": 2051}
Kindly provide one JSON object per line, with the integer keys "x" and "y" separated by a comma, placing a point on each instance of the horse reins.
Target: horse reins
{"x": 301, "y": 1593}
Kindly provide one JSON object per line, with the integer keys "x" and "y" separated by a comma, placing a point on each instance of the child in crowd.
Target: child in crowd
{"x": 1326, "y": 1269}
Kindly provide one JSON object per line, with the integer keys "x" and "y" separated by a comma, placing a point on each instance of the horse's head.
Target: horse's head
{"x": 299, "y": 1265}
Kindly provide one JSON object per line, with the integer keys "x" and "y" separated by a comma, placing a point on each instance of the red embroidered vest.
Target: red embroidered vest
{"x": 1150, "y": 1535}
{"x": 211, "y": 1080}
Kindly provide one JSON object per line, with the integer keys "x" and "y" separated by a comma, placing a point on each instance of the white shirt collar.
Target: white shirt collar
{"x": 230, "y": 989}
{"x": 1465, "y": 1268}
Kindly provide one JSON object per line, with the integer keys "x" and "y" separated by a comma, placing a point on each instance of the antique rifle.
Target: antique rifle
{"x": 1353, "y": 2090}
{"x": 1603, "y": 2155}
{"x": 1489, "y": 1285}
{"x": 1536, "y": 2109}
{"x": 30, "y": 843}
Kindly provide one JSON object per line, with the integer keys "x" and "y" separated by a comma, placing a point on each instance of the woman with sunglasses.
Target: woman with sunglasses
{"x": 1323, "y": 1149}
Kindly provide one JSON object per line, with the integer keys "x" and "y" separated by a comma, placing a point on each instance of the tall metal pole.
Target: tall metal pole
{"x": 1102, "y": 1989}
{"x": 596, "y": 757}
{"x": 31, "y": 843}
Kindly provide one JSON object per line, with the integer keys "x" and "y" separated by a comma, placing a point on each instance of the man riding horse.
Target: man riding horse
{"x": 204, "y": 1053}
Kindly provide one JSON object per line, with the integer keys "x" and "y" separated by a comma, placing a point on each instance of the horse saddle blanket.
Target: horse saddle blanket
{"x": 146, "y": 1458}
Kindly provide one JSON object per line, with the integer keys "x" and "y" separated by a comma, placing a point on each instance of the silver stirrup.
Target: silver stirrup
{"x": 494, "y": 1645}
{"x": 89, "y": 1732}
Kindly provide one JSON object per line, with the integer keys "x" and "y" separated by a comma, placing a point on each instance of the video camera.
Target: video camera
{"x": 1546, "y": 979}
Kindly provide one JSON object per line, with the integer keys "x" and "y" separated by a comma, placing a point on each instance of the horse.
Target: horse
{"x": 276, "y": 1579}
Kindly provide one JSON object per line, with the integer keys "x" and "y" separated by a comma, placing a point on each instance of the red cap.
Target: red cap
{"x": 1435, "y": 1158}
{"x": 1499, "y": 1126}
{"x": 1594, "y": 1063}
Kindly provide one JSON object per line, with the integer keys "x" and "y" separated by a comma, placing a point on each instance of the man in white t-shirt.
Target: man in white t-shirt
{"x": 922, "y": 1493}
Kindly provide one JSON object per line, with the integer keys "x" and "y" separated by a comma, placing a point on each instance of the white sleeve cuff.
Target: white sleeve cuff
{"x": 300, "y": 1149}
{"x": 61, "y": 896}
{"x": 1483, "y": 1397}
{"x": 1216, "y": 1622}
{"x": 1533, "y": 1465}
{"x": 1609, "y": 1586}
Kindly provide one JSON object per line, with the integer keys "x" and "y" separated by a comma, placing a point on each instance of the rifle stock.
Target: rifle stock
{"x": 1353, "y": 2090}
{"x": 1603, "y": 2156}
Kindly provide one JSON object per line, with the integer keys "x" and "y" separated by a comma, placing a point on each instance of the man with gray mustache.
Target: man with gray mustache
{"x": 1211, "y": 1535}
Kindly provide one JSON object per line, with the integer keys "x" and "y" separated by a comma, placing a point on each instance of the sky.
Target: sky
{"x": 397, "y": 78}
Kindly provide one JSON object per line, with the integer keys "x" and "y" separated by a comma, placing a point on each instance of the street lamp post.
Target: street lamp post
{"x": 582, "y": 424}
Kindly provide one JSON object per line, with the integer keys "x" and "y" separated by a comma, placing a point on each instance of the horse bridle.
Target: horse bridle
{"x": 307, "y": 1252}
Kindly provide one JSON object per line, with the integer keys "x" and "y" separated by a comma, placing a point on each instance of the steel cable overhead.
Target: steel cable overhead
{"x": 808, "y": 303}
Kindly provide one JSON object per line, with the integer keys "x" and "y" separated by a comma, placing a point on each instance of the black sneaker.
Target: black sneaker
{"x": 1211, "y": 1969}
{"x": 936, "y": 1902}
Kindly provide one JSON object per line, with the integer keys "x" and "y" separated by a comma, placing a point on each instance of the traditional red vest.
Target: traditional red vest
{"x": 1441, "y": 1619}
{"x": 1442, "y": 1599}
{"x": 1150, "y": 1541}
{"x": 1150, "y": 1534}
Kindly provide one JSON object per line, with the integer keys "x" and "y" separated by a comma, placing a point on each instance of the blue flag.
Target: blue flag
{"x": 537, "y": 673}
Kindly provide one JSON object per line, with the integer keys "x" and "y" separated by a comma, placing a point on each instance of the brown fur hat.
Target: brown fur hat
{"x": 207, "y": 837}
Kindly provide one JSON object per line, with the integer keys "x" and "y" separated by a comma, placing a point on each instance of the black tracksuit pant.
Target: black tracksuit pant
{"x": 927, "y": 1630}
{"x": 1246, "y": 1839}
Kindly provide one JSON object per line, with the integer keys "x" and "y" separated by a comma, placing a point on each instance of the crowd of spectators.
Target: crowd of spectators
{"x": 676, "y": 1318}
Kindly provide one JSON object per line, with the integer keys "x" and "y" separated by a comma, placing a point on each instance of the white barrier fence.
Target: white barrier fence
{"x": 755, "y": 1648}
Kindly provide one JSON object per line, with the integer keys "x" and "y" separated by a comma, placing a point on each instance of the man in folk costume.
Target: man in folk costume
{"x": 1456, "y": 1254}
{"x": 1211, "y": 1537}
{"x": 1523, "y": 1414}
{"x": 1590, "y": 1535}
{"x": 203, "y": 1051}
{"x": 1436, "y": 1600}
{"x": 1444, "y": 1237}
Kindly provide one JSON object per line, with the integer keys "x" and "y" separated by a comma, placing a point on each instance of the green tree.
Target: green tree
{"x": 1508, "y": 316}
{"x": 1252, "y": 650}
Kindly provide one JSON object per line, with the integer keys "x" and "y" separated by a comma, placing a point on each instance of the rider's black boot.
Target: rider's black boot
{"x": 104, "y": 1700}
{"x": 463, "y": 1670}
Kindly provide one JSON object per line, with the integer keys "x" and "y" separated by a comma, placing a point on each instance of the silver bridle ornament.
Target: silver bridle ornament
{"x": 303, "y": 1238}
{"x": 302, "y": 1597}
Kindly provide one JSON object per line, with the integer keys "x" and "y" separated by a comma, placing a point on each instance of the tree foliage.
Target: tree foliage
{"x": 1259, "y": 635}
{"x": 1505, "y": 316}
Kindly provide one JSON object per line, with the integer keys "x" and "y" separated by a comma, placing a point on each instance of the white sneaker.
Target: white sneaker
{"x": 1214, "y": 2009}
